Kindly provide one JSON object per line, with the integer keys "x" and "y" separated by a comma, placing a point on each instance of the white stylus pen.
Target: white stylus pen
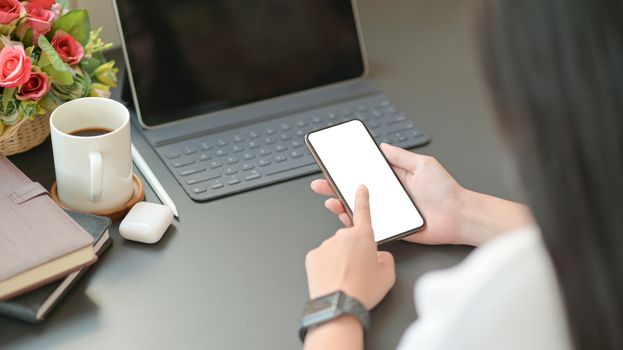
{"x": 153, "y": 180}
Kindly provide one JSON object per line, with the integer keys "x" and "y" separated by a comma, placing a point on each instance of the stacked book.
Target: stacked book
{"x": 43, "y": 249}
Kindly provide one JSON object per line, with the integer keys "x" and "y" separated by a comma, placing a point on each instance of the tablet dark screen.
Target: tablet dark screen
{"x": 191, "y": 57}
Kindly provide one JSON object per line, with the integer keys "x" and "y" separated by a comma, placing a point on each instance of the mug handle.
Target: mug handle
{"x": 97, "y": 175}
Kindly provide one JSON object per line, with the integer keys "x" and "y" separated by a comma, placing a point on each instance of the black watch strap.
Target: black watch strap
{"x": 330, "y": 307}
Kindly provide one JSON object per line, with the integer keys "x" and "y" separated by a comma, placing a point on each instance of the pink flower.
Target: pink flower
{"x": 14, "y": 66}
{"x": 39, "y": 18}
{"x": 67, "y": 47}
{"x": 10, "y": 10}
{"x": 46, "y": 4}
{"x": 35, "y": 88}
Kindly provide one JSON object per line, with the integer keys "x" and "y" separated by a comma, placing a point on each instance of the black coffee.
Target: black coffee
{"x": 88, "y": 132}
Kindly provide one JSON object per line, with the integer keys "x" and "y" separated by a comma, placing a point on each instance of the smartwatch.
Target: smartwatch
{"x": 329, "y": 307}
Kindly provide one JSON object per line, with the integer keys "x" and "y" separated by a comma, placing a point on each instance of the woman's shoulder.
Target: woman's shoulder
{"x": 504, "y": 295}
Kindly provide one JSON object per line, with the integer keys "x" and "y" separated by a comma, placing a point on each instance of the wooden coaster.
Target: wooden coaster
{"x": 117, "y": 213}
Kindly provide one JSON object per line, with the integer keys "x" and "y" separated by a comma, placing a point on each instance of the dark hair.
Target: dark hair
{"x": 555, "y": 72}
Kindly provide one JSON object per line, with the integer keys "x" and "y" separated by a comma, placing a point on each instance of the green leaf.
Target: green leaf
{"x": 90, "y": 64}
{"x": 27, "y": 40}
{"x": 52, "y": 64}
{"x": 7, "y": 96}
{"x": 76, "y": 23}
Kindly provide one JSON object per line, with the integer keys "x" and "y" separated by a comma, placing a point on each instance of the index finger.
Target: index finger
{"x": 361, "y": 216}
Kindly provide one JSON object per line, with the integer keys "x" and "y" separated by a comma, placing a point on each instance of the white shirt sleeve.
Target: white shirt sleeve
{"x": 503, "y": 296}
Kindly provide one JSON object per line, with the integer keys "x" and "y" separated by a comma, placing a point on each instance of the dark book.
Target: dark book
{"x": 34, "y": 306}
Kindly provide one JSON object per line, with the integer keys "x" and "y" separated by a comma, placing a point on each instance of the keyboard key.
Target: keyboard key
{"x": 247, "y": 166}
{"x": 191, "y": 171}
{"x": 247, "y": 156}
{"x": 222, "y": 142}
{"x": 296, "y": 154}
{"x": 387, "y": 140}
{"x": 181, "y": 163}
{"x": 402, "y": 138}
{"x": 253, "y": 134}
{"x": 253, "y": 144}
{"x": 385, "y": 103}
{"x": 263, "y": 162}
{"x": 237, "y": 149}
{"x": 281, "y": 148}
{"x": 277, "y": 168}
{"x": 300, "y": 133}
{"x": 204, "y": 176}
{"x": 285, "y": 137}
{"x": 269, "y": 141}
{"x": 189, "y": 150}
{"x": 265, "y": 152}
{"x": 215, "y": 164}
{"x": 398, "y": 119}
{"x": 238, "y": 138}
{"x": 280, "y": 158}
{"x": 317, "y": 119}
{"x": 206, "y": 146}
{"x": 270, "y": 131}
{"x": 301, "y": 123}
{"x": 332, "y": 115}
{"x": 171, "y": 155}
{"x": 220, "y": 152}
{"x": 232, "y": 160}
{"x": 392, "y": 110}
{"x": 216, "y": 185}
{"x": 254, "y": 174}
{"x": 296, "y": 144}
{"x": 376, "y": 114}
{"x": 197, "y": 189}
{"x": 204, "y": 156}
{"x": 285, "y": 127}
{"x": 233, "y": 181}
{"x": 230, "y": 170}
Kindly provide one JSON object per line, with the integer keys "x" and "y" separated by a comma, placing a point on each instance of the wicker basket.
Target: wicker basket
{"x": 24, "y": 135}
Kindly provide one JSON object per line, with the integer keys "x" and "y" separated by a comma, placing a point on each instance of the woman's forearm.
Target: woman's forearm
{"x": 344, "y": 333}
{"x": 484, "y": 217}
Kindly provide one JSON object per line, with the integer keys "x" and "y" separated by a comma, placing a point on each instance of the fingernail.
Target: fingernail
{"x": 361, "y": 188}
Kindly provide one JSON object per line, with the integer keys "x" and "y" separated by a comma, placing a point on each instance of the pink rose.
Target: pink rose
{"x": 46, "y": 4}
{"x": 14, "y": 66}
{"x": 10, "y": 10}
{"x": 70, "y": 50}
{"x": 35, "y": 88}
{"x": 39, "y": 19}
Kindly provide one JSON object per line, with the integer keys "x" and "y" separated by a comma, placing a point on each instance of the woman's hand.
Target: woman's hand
{"x": 349, "y": 261}
{"x": 453, "y": 214}
{"x": 435, "y": 192}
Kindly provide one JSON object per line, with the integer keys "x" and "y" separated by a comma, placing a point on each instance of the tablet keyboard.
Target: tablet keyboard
{"x": 256, "y": 155}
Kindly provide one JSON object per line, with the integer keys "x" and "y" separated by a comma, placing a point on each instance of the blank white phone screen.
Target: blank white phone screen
{"x": 350, "y": 157}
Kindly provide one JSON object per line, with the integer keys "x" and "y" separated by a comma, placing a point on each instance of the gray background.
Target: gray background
{"x": 230, "y": 274}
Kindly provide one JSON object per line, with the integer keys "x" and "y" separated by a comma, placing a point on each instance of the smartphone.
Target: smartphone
{"x": 349, "y": 157}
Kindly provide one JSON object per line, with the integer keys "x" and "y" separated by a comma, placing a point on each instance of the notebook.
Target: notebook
{"x": 36, "y": 305}
{"x": 39, "y": 242}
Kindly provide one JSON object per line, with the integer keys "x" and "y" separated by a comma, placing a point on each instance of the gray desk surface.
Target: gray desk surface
{"x": 230, "y": 274}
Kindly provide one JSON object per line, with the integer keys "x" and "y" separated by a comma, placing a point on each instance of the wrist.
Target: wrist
{"x": 484, "y": 217}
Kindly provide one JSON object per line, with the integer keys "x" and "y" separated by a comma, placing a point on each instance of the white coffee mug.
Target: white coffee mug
{"x": 93, "y": 173}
